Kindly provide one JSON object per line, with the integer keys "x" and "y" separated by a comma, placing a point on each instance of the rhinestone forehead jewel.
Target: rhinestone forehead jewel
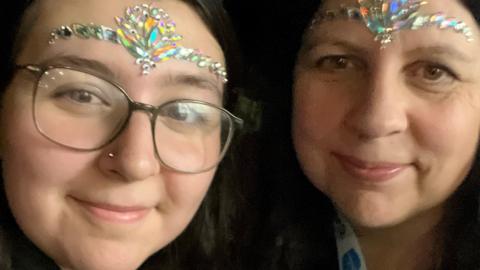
{"x": 148, "y": 34}
{"x": 385, "y": 17}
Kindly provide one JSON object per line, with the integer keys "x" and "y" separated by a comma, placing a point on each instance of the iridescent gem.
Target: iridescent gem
{"x": 194, "y": 58}
{"x": 330, "y": 15}
{"x": 204, "y": 62}
{"x": 98, "y": 31}
{"x": 111, "y": 35}
{"x": 385, "y": 17}
{"x": 81, "y": 30}
{"x": 147, "y": 33}
{"x": 155, "y": 13}
{"x": 64, "y": 32}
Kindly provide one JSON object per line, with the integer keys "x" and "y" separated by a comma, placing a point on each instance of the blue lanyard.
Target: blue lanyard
{"x": 348, "y": 250}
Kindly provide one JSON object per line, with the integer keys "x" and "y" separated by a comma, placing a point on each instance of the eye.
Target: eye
{"x": 188, "y": 117}
{"x": 431, "y": 76}
{"x": 80, "y": 96}
{"x": 436, "y": 73}
{"x": 339, "y": 62}
{"x": 184, "y": 113}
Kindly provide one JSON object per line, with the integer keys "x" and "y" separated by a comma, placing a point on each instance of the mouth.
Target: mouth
{"x": 372, "y": 172}
{"x": 114, "y": 213}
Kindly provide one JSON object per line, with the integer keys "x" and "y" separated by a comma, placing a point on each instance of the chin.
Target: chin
{"x": 104, "y": 256}
{"x": 106, "y": 263}
{"x": 373, "y": 221}
{"x": 372, "y": 212}
{"x": 118, "y": 264}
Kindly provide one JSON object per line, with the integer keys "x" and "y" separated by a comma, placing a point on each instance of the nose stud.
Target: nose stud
{"x": 111, "y": 155}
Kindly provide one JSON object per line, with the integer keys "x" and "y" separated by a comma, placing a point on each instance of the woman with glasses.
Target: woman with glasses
{"x": 113, "y": 125}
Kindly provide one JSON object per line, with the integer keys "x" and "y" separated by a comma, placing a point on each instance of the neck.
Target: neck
{"x": 410, "y": 245}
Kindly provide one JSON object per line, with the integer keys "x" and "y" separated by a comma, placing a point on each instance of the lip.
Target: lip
{"x": 114, "y": 213}
{"x": 373, "y": 172}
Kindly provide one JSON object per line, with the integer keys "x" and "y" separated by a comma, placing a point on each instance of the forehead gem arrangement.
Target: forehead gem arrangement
{"x": 148, "y": 34}
{"x": 385, "y": 17}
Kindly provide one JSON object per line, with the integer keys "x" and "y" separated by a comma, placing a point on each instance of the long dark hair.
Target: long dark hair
{"x": 294, "y": 229}
{"x": 207, "y": 241}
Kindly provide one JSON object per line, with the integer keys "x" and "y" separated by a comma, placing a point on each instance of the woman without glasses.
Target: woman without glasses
{"x": 386, "y": 124}
{"x": 113, "y": 126}
{"x": 396, "y": 123}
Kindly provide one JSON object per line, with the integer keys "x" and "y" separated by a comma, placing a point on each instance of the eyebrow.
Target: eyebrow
{"x": 434, "y": 50}
{"x": 197, "y": 81}
{"x": 446, "y": 51}
{"x": 319, "y": 29}
{"x": 75, "y": 61}
{"x": 328, "y": 40}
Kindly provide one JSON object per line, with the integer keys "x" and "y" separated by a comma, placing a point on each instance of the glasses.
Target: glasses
{"x": 82, "y": 110}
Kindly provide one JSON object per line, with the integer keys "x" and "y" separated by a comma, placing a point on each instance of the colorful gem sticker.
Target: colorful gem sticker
{"x": 385, "y": 17}
{"x": 148, "y": 34}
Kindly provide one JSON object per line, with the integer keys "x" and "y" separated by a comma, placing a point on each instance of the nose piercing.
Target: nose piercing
{"x": 111, "y": 155}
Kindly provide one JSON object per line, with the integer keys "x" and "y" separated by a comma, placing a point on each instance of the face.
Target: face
{"x": 89, "y": 209}
{"x": 388, "y": 134}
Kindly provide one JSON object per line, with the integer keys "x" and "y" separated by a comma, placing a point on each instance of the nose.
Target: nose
{"x": 132, "y": 154}
{"x": 379, "y": 109}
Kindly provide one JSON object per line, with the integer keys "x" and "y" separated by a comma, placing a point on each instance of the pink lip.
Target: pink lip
{"x": 115, "y": 213}
{"x": 370, "y": 171}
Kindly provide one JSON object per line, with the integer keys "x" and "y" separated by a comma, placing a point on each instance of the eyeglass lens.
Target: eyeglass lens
{"x": 82, "y": 111}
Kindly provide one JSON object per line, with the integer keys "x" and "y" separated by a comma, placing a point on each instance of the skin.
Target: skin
{"x": 47, "y": 185}
{"x": 413, "y": 106}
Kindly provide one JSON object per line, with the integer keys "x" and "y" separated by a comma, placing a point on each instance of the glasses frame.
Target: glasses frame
{"x": 151, "y": 110}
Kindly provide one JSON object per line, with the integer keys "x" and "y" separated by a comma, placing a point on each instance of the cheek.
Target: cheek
{"x": 186, "y": 192}
{"x": 318, "y": 109}
{"x": 30, "y": 186}
{"x": 318, "y": 112}
{"x": 36, "y": 172}
{"x": 28, "y": 156}
{"x": 446, "y": 135}
{"x": 447, "y": 130}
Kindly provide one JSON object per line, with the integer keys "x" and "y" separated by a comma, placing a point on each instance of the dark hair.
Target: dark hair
{"x": 207, "y": 241}
{"x": 294, "y": 230}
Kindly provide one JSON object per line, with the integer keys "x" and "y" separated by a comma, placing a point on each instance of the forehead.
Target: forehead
{"x": 356, "y": 30}
{"x": 54, "y": 13}
{"x": 431, "y": 6}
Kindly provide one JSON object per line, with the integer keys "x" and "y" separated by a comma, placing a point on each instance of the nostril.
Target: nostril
{"x": 135, "y": 166}
{"x": 132, "y": 154}
{"x": 377, "y": 120}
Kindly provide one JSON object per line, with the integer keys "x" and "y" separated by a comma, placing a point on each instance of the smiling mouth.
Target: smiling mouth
{"x": 114, "y": 213}
{"x": 372, "y": 172}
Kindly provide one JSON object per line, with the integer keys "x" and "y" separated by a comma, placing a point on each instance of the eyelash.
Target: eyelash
{"x": 417, "y": 74}
{"x": 334, "y": 59}
{"x": 437, "y": 65}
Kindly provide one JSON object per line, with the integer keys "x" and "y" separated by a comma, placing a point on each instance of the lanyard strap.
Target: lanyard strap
{"x": 348, "y": 250}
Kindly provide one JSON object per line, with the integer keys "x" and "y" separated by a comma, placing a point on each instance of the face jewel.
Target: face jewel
{"x": 63, "y": 31}
{"x": 385, "y": 17}
{"x": 148, "y": 34}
